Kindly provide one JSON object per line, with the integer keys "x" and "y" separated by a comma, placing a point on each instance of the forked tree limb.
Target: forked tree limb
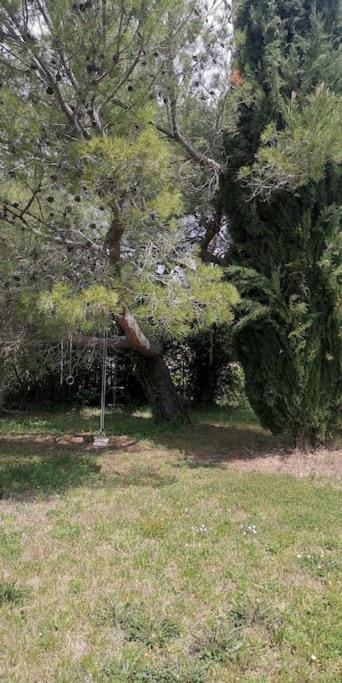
{"x": 210, "y": 236}
{"x": 150, "y": 348}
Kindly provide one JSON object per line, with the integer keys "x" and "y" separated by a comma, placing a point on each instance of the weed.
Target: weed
{"x": 249, "y": 614}
{"x": 10, "y": 592}
{"x": 218, "y": 641}
{"x": 139, "y": 627}
{"x": 320, "y": 563}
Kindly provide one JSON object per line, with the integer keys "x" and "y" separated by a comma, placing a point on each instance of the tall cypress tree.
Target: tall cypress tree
{"x": 282, "y": 194}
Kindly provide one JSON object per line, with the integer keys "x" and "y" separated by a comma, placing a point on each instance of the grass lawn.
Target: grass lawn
{"x": 174, "y": 555}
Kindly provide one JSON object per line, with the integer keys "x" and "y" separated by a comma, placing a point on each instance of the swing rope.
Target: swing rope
{"x": 104, "y": 383}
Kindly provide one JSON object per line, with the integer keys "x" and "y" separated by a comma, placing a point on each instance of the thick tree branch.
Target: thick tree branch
{"x": 149, "y": 348}
{"x": 221, "y": 261}
{"x": 211, "y": 233}
{"x": 112, "y": 243}
{"x": 191, "y": 151}
{"x": 127, "y": 323}
{"x": 113, "y": 343}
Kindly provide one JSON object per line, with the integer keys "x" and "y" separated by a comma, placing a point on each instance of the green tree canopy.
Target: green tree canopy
{"x": 92, "y": 151}
{"x": 282, "y": 194}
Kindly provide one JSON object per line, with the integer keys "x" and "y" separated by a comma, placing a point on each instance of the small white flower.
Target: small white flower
{"x": 299, "y": 556}
{"x": 313, "y": 658}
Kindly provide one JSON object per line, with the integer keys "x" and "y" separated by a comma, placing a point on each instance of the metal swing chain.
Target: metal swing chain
{"x": 211, "y": 346}
{"x": 114, "y": 379}
{"x": 104, "y": 383}
{"x": 70, "y": 378}
{"x": 61, "y": 376}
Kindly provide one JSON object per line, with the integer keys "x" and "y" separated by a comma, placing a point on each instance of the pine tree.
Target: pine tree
{"x": 282, "y": 193}
{"x": 88, "y": 161}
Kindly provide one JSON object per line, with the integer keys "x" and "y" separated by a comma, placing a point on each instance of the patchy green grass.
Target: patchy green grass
{"x": 10, "y": 592}
{"x": 142, "y": 564}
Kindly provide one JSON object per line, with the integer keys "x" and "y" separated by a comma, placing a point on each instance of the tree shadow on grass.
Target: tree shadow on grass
{"x": 36, "y": 470}
{"x": 204, "y": 444}
{"x": 31, "y": 469}
{"x": 35, "y": 466}
{"x": 140, "y": 477}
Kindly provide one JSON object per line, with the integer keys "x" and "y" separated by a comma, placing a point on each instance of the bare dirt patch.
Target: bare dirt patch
{"x": 324, "y": 463}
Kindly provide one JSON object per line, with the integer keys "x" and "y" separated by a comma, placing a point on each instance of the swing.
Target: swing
{"x": 114, "y": 382}
{"x": 69, "y": 380}
{"x": 101, "y": 440}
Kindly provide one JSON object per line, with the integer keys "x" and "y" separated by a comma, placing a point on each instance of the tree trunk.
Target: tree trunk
{"x": 205, "y": 369}
{"x": 305, "y": 442}
{"x": 153, "y": 373}
{"x": 152, "y": 370}
{"x": 159, "y": 390}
